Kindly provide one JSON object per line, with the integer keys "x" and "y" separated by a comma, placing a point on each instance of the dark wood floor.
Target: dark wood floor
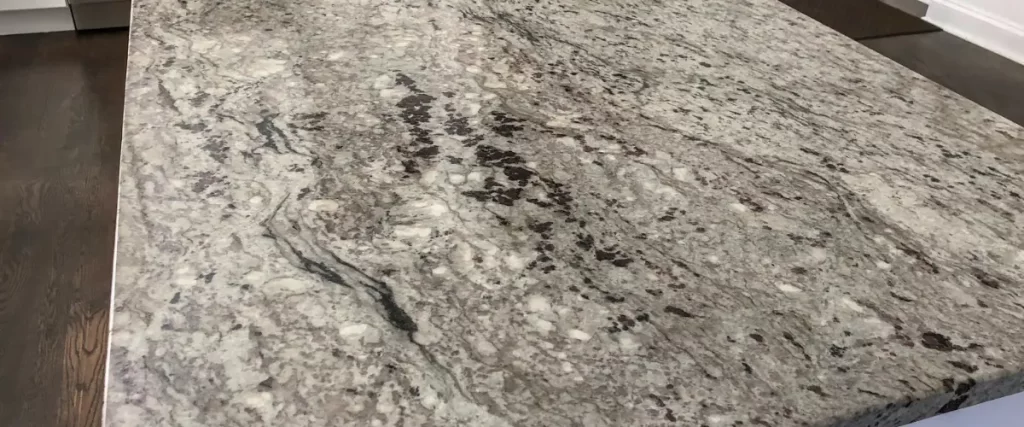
{"x": 988, "y": 79}
{"x": 61, "y": 99}
{"x": 861, "y": 19}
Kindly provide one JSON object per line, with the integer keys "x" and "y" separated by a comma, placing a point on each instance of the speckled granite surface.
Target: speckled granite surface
{"x": 552, "y": 213}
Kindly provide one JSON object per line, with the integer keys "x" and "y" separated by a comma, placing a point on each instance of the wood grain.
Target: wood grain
{"x": 861, "y": 19}
{"x": 61, "y": 99}
{"x": 990, "y": 80}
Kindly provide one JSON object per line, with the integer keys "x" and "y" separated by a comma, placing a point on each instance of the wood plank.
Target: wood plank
{"x": 60, "y": 125}
{"x": 984, "y": 77}
{"x": 861, "y": 19}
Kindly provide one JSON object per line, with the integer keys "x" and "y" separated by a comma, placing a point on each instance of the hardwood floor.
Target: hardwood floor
{"x": 894, "y": 29}
{"x": 988, "y": 79}
{"x": 861, "y": 19}
{"x": 61, "y": 100}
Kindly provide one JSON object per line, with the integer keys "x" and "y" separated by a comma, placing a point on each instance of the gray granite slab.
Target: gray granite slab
{"x": 552, "y": 213}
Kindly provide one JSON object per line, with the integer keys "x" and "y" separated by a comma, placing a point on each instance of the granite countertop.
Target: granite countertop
{"x": 552, "y": 213}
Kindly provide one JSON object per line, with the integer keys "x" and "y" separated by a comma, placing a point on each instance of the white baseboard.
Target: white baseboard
{"x": 978, "y": 27}
{"x": 36, "y": 21}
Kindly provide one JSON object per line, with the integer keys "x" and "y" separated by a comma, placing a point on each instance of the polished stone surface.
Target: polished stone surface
{"x": 547, "y": 213}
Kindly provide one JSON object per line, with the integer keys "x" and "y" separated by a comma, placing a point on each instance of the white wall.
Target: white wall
{"x": 997, "y": 25}
{"x": 34, "y": 16}
{"x": 6, "y": 5}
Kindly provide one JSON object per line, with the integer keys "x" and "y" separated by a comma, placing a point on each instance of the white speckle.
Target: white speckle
{"x": 789, "y": 289}
{"x": 266, "y": 67}
{"x": 882, "y": 265}
{"x": 429, "y": 400}
{"x": 500, "y": 68}
{"x": 407, "y": 231}
{"x": 717, "y": 420}
{"x": 384, "y": 406}
{"x": 558, "y": 122}
{"x": 819, "y": 254}
{"x": 561, "y": 355}
{"x": 262, "y": 402}
{"x": 472, "y": 69}
{"x": 428, "y": 177}
{"x": 714, "y": 259}
{"x": 542, "y": 325}
{"x": 177, "y": 183}
{"x": 538, "y": 304}
{"x": 577, "y": 334}
{"x": 323, "y": 205}
{"x": 682, "y": 174}
{"x": 456, "y": 178}
{"x": 567, "y": 367}
{"x": 492, "y": 82}
{"x": 738, "y": 207}
{"x": 353, "y": 330}
{"x": 849, "y": 303}
{"x": 334, "y": 56}
{"x": 567, "y": 141}
{"x": 256, "y": 200}
{"x": 627, "y": 341}
{"x": 515, "y": 262}
{"x": 285, "y": 284}
{"x": 471, "y": 95}
{"x": 475, "y": 176}
{"x": 439, "y": 270}
{"x": 471, "y": 109}
{"x": 485, "y": 347}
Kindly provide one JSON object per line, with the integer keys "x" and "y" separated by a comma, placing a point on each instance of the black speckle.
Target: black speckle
{"x": 757, "y": 337}
{"x": 817, "y": 390}
{"x": 614, "y": 298}
{"x": 985, "y": 278}
{"x": 836, "y": 351}
{"x": 677, "y": 311}
{"x": 953, "y": 404}
{"x": 518, "y": 174}
{"x": 415, "y": 109}
{"x": 504, "y": 125}
{"x": 410, "y": 167}
{"x": 208, "y": 277}
{"x": 966, "y": 367}
{"x": 266, "y": 384}
{"x": 798, "y": 270}
{"x": 669, "y": 415}
{"x": 616, "y": 257}
{"x": 176, "y": 298}
{"x": 964, "y": 387}
{"x": 585, "y": 242}
{"x": 747, "y": 368}
{"x": 643, "y": 317}
{"x": 427, "y": 152}
{"x": 948, "y": 383}
{"x": 541, "y": 227}
{"x": 936, "y": 341}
